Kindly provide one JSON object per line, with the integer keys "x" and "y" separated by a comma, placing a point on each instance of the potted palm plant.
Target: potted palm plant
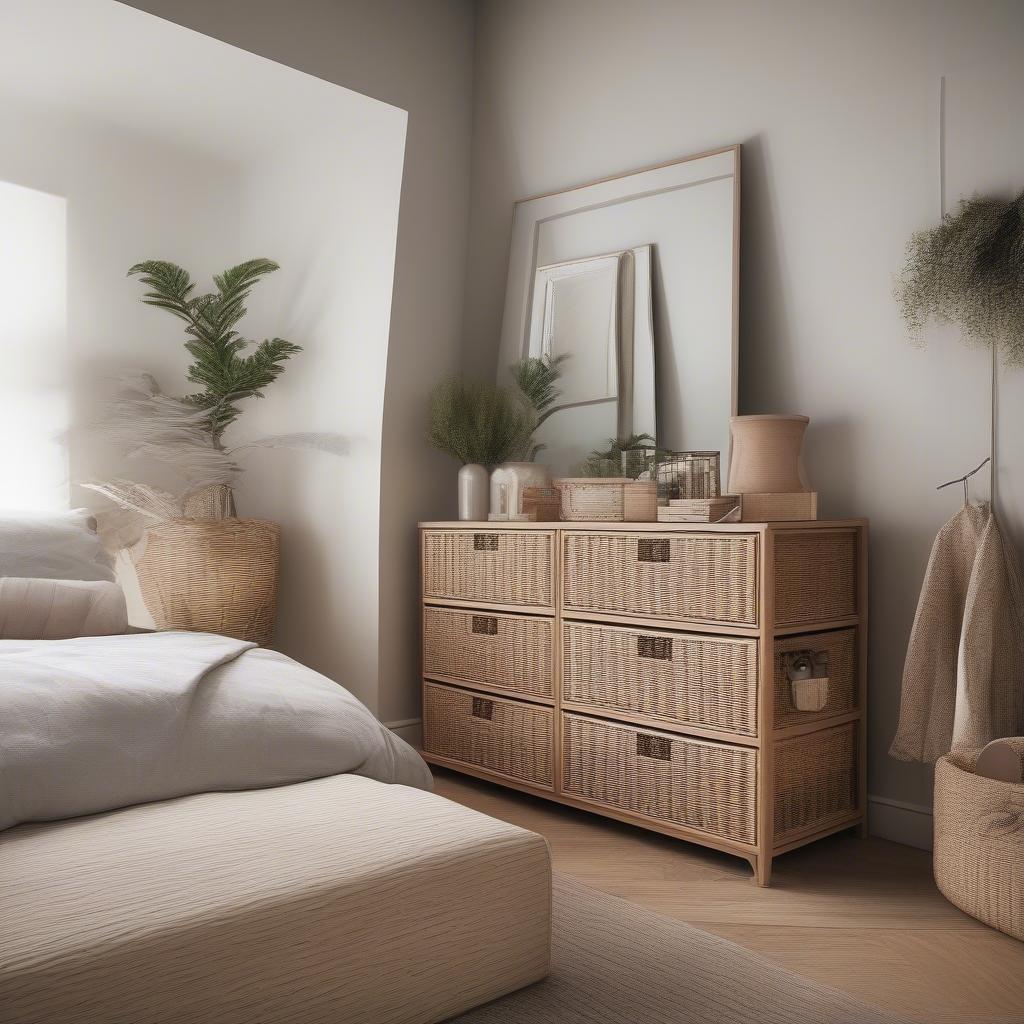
{"x": 200, "y": 566}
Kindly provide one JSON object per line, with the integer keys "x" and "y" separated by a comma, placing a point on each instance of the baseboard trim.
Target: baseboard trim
{"x": 900, "y": 822}
{"x": 410, "y": 730}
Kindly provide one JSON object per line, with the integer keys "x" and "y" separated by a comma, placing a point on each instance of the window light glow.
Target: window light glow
{"x": 34, "y": 401}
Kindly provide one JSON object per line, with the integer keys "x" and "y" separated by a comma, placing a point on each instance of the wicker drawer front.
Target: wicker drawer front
{"x": 702, "y": 785}
{"x": 815, "y": 576}
{"x": 815, "y": 780}
{"x": 841, "y": 648}
{"x": 671, "y": 576}
{"x": 681, "y": 678}
{"x": 491, "y": 566}
{"x": 506, "y": 737}
{"x": 511, "y": 651}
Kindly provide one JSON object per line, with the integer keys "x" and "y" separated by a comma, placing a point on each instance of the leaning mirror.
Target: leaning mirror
{"x": 631, "y": 285}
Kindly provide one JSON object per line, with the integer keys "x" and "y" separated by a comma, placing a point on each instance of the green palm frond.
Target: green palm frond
{"x": 225, "y": 375}
{"x": 537, "y": 377}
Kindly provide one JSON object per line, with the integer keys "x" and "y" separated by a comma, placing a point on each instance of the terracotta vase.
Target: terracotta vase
{"x": 766, "y": 454}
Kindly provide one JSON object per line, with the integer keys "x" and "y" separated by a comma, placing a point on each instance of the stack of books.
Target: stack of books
{"x": 698, "y": 510}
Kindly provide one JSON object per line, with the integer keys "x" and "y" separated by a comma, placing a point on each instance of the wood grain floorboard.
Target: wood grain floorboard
{"x": 863, "y": 916}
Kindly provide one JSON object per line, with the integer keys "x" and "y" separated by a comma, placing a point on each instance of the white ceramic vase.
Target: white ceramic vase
{"x": 766, "y": 454}
{"x": 509, "y": 481}
{"x": 473, "y": 493}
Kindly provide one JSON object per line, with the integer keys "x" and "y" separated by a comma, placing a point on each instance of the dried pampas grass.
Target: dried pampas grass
{"x": 147, "y": 425}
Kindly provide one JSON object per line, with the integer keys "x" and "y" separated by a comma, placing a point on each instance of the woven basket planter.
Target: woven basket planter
{"x": 979, "y": 845}
{"x": 212, "y": 576}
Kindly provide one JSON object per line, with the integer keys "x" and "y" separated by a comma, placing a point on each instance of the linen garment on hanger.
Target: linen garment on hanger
{"x": 963, "y": 680}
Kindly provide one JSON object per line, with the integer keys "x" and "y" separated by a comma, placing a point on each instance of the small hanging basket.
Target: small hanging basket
{"x": 212, "y": 576}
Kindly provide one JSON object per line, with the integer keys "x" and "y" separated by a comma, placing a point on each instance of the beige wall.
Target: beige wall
{"x": 418, "y": 56}
{"x": 836, "y": 104}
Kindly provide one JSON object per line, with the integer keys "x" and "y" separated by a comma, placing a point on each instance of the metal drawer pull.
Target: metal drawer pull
{"x": 652, "y": 549}
{"x": 485, "y": 625}
{"x": 483, "y": 708}
{"x": 656, "y": 647}
{"x": 656, "y": 747}
{"x": 485, "y": 542}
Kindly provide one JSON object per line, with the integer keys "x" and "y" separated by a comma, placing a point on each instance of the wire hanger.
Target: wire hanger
{"x": 963, "y": 479}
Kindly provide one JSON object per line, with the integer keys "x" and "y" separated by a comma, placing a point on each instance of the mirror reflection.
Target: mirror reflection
{"x": 628, "y": 288}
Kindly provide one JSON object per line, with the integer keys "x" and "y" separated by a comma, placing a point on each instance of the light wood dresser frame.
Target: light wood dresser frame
{"x": 766, "y": 745}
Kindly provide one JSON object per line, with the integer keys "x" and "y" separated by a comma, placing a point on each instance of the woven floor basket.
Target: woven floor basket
{"x": 212, "y": 576}
{"x": 979, "y": 845}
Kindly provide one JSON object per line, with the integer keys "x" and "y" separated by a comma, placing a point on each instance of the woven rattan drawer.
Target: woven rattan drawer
{"x": 705, "y": 577}
{"x": 710, "y": 787}
{"x": 677, "y": 678}
{"x": 490, "y": 566}
{"x": 514, "y": 652}
{"x": 840, "y": 647}
{"x": 815, "y": 576}
{"x": 815, "y": 781}
{"x": 505, "y": 737}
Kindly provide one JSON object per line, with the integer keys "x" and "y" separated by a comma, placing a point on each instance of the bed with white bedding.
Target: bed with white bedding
{"x": 195, "y": 829}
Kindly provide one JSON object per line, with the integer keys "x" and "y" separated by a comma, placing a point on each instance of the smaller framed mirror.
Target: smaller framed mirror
{"x": 631, "y": 283}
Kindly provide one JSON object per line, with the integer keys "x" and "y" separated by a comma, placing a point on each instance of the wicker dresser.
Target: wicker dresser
{"x": 640, "y": 671}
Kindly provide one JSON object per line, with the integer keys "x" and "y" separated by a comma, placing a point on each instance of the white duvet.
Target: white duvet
{"x": 96, "y": 723}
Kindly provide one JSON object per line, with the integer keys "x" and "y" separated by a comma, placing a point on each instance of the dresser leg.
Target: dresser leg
{"x": 763, "y": 870}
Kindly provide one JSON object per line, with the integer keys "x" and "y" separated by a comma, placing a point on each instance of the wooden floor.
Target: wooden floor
{"x": 863, "y": 916}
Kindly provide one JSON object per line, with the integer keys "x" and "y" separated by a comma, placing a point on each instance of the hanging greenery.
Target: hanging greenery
{"x": 481, "y": 423}
{"x": 969, "y": 271}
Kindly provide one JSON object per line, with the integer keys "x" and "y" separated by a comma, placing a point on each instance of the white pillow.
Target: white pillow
{"x": 33, "y": 609}
{"x": 52, "y": 546}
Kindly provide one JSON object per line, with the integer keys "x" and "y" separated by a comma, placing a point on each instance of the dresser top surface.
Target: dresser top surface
{"x": 499, "y": 525}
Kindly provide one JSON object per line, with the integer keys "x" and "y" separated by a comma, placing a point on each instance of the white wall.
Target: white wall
{"x": 328, "y": 213}
{"x": 235, "y": 157}
{"x": 418, "y": 55}
{"x": 836, "y": 105}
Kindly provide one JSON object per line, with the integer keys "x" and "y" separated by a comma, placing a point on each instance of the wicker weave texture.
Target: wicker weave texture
{"x": 506, "y": 737}
{"x": 593, "y": 500}
{"x": 815, "y": 576}
{"x": 706, "y": 786}
{"x": 679, "y": 678}
{"x": 492, "y": 566}
{"x": 673, "y": 576}
{"x": 515, "y": 652}
{"x": 979, "y": 845}
{"x": 815, "y": 780}
{"x": 841, "y": 647}
{"x": 212, "y": 576}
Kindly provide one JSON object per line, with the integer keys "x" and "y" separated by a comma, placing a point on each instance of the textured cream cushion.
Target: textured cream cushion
{"x": 336, "y": 901}
{"x": 34, "y": 609}
{"x": 53, "y": 546}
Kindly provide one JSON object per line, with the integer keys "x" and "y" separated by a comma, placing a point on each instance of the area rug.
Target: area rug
{"x": 614, "y": 962}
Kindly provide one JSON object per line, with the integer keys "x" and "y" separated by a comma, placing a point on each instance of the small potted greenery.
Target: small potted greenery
{"x": 200, "y": 567}
{"x": 481, "y": 426}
